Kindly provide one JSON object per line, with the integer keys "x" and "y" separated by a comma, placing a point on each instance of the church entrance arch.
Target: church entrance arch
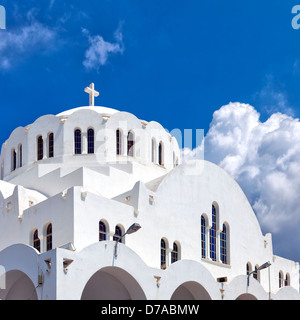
{"x": 112, "y": 283}
{"x": 190, "y": 290}
{"x": 246, "y": 296}
{"x": 16, "y": 285}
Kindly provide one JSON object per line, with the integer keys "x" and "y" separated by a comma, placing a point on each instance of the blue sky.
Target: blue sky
{"x": 176, "y": 62}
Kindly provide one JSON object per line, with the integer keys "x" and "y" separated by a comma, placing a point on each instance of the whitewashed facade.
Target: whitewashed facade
{"x": 68, "y": 180}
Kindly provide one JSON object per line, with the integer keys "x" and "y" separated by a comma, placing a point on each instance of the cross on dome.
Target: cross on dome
{"x": 92, "y": 93}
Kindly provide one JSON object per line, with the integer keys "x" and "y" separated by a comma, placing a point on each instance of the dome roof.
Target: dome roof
{"x": 101, "y": 110}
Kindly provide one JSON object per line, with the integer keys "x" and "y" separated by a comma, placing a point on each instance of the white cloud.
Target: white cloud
{"x": 14, "y": 44}
{"x": 264, "y": 158}
{"x": 99, "y": 50}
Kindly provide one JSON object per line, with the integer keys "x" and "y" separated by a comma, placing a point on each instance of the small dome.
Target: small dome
{"x": 100, "y": 110}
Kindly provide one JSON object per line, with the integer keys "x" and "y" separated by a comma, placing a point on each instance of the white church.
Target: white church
{"x": 96, "y": 204}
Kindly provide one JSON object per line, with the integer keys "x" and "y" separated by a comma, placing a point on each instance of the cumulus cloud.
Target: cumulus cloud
{"x": 264, "y": 158}
{"x": 99, "y": 50}
{"x": 15, "y": 44}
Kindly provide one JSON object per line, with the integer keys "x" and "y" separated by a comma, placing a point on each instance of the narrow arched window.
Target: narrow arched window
{"x": 213, "y": 235}
{"x": 130, "y": 144}
{"x": 248, "y": 268}
{"x": 223, "y": 245}
{"x": 163, "y": 254}
{"x": 287, "y": 280}
{"x": 49, "y": 237}
{"x": 203, "y": 237}
{"x": 118, "y": 234}
{"x": 36, "y": 241}
{"x": 50, "y": 145}
{"x": 91, "y": 140}
{"x": 40, "y": 148}
{"x": 118, "y": 142}
{"x": 256, "y": 273}
{"x": 20, "y": 155}
{"x": 13, "y": 159}
{"x": 77, "y": 141}
{"x": 175, "y": 253}
{"x": 160, "y": 154}
{"x": 102, "y": 231}
{"x": 153, "y": 151}
{"x": 280, "y": 279}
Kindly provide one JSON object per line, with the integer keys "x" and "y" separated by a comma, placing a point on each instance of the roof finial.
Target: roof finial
{"x": 92, "y": 93}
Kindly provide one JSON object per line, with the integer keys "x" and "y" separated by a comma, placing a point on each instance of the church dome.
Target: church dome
{"x": 93, "y": 137}
{"x": 98, "y": 109}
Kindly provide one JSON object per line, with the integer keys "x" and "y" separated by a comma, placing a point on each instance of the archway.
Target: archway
{"x": 17, "y": 286}
{"x": 112, "y": 283}
{"x": 190, "y": 290}
{"x": 246, "y": 296}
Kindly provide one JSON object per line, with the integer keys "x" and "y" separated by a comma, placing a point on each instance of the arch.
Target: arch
{"x": 179, "y": 273}
{"x": 213, "y": 234}
{"x": 77, "y": 141}
{"x": 112, "y": 283}
{"x": 246, "y": 296}
{"x": 36, "y": 240}
{"x": 130, "y": 144}
{"x": 18, "y": 286}
{"x": 40, "y": 147}
{"x": 176, "y": 252}
{"x": 20, "y": 157}
{"x": 50, "y": 145}
{"x": 119, "y": 135}
{"x": 203, "y": 235}
{"x": 13, "y": 159}
{"x": 287, "y": 281}
{"x": 163, "y": 253}
{"x": 91, "y": 140}
{"x": 190, "y": 290}
{"x": 161, "y": 153}
{"x": 49, "y": 237}
{"x": 248, "y": 268}
{"x": 224, "y": 244}
{"x": 280, "y": 276}
{"x": 119, "y": 231}
{"x": 103, "y": 230}
{"x": 153, "y": 150}
{"x": 240, "y": 288}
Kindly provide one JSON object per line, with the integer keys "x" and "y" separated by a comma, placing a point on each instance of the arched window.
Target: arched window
{"x": 160, "y": 154}
{"x": 163, "y": 254}
{"x": 280, "y": 279}
{"x": 40, "y": 148}
{"x": 91, "y": 140}
{"x": 36, "y": 241}
{"x": 49, "y": 237}
{"x": 287, "y": 280}
{"x": 203, "y": 237}
{"x": 20, "y": 155}
{"x": 213, "y": 235}
{"x": 118, "y": 234}
{"x": 118, "y": 142}
{"x": 50, "y": 145}
{"x": 13, "y": 159}
{"x": 256, "y": 274}
{"x": 223, "y": 245}
{"x": 102, "y": 231}
{"x": 248, "y": 268}
{"x": 175, "y": 253}
{"x": 153, "y": 151}
{"x": 130, "y": 144}
{"x": 77, "y": 141}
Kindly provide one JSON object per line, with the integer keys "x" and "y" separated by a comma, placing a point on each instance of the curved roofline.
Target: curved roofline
{"x": 99, "y": 109}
